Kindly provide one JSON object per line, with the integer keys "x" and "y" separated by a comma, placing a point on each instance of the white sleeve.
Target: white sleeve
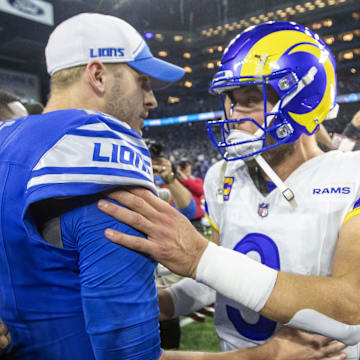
{"x": 188, "y": 296}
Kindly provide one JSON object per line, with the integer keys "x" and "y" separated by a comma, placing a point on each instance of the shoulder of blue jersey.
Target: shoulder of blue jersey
{"x": 100, "y": 151}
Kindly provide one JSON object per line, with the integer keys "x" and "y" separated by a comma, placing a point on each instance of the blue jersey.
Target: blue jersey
{"x": 85, "y": 298}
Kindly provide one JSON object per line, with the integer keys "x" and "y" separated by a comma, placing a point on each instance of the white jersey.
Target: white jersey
{"x": 267, "y": 228}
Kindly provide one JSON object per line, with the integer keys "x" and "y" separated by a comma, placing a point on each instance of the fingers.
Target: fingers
{"x": 4, "y": 337}
{"x": 133, "y": 201}
{"x": 132, "y": 242}
{"x": 333, "y": 347}
{"x": 340, "y": 356}
{"x": 141, "y": 199}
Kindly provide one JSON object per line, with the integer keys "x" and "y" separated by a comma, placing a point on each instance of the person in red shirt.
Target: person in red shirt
{"x": 195, "y": 185}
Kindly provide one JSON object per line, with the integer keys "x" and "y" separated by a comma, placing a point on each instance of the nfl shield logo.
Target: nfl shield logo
{"x": 263, "y": 210}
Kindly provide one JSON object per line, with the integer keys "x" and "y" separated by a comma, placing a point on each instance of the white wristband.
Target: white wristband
{"x": 188, "y": 296}
{"x": 236, "y": 276}
{"x": 313, "y": 321}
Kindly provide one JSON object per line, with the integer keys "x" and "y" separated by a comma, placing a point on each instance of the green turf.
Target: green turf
{"x": 200, "y": 336}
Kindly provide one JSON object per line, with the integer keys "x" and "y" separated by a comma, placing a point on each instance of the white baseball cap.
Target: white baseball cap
{"x": 88, "y": 36}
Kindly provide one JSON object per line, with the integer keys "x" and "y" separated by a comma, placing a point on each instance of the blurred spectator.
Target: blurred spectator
{"x": 352, "y": 130}
{"x": 11, "y": 107}
{"x": 33, "y": 107}
{"x": 195, "y": 185}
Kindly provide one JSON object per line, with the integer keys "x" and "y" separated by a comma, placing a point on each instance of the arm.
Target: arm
{"x": 180, "y": 194}
{"x": 176, "y": 244}
{"x": 118, "y": 292}
{"x": 336, "y": 296}
{"x": 195, "y": 185}
{"x": 288, "y": 344}
{"x": 183, "y": 298}
{"x": 352, "y": 129}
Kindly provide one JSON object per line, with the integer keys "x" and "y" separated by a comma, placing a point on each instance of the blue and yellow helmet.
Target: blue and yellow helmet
{"x": 294, "y": 62}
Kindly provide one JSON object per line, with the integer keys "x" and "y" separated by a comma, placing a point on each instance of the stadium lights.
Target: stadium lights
{"x": 348, "y": 37}
{"x": 327, "y": 22}
{"x": 163, "y": 53}
{"x": 348, "y": 55}
{"x": 159, "y": 37}
{"x": 173, "y": 99}
{"x": 187, "y": 55}
{"x": 178, "y": 38}
{"x": 149, "y": 35}
{"x": 316, "y": 26}
{"x": 188, "y": 69}
{"x": 329, "y": 39}
{"x": 210, "y": 65}
{"x": 353, "y": 70}
{"x": 188, "y": 84}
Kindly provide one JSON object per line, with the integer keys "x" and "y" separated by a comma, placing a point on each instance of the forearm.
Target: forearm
{"x": 334, "y": 297}
{"x": 263, "y": 352}
{"x": 195, "y": 185}
{"x": 352, "y": 131}
{"x": 180, "y": 194}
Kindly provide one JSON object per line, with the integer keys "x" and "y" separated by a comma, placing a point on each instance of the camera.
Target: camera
{"x": 155, "y": 148}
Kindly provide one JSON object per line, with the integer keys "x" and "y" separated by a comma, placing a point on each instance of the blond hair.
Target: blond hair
{"x": 66, "y": 77}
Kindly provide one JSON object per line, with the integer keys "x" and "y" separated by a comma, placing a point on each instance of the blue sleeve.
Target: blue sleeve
{"x": 190, "y": 210}
{"x": 118, "y": 291}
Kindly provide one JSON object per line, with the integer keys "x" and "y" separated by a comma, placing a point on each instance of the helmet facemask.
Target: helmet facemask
{"x": 274, "y": 130}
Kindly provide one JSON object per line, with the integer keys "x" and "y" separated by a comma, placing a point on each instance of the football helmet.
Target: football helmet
{"x": 297, "y": 65}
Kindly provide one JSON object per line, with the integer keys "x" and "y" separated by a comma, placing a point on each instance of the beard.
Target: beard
{"x": 117, "y": 106}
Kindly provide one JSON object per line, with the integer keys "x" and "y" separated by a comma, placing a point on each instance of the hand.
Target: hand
{"x": 356, "y": 120}
{"x": 163, "y": 167}
{"x": 181, "y": 175}
{"x": 4, "y": 337}
{"x": 172, "y": 240}
{"x": 294, "y": 344}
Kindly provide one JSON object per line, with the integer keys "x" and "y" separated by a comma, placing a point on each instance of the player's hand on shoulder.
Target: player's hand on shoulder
{"x": 295, "y": 344}
{"x": 4, "y": 337}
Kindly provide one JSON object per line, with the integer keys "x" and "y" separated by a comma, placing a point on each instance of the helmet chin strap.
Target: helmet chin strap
{"x": 285, "y": 190}
{"x": 236, "y": 150}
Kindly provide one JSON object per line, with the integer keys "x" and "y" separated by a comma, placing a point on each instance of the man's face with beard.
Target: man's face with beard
{"x": 247, "y": 102}
{"x": 130, "y": 96}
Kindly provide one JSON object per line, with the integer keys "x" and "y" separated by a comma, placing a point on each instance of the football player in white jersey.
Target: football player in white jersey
{"x": 276, "y": 197}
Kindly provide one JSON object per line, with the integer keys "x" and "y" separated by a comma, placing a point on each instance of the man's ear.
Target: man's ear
{"x": 96, "y": 75}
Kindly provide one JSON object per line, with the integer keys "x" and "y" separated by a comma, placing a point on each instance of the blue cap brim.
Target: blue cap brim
{"x": 158, "y": 69}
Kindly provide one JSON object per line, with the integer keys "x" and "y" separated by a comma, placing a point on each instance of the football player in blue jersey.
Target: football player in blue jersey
{"x": 298, "y": 214}
{"x": 66, "y": 291}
